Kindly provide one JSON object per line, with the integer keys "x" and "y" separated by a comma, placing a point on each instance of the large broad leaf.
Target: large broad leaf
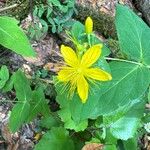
{"x": 4, "y": 76}
{"x": 133, "y": 35}
{"x": 22, "y": 87}
{"x": 56, "y": 139}
{"x": 18, "y": 115}
{"x": 12, "y": 37}
{"x": 129, "y": 82}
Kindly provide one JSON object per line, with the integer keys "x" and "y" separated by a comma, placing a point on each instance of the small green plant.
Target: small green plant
{"x": 52, "y": 13}
{"x": 108, "y": 113}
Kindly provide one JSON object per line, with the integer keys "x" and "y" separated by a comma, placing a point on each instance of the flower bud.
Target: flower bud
{"x": 88, "y": 25}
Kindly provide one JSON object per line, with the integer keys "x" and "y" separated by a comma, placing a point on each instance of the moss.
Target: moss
{"x": 103, "y": 23}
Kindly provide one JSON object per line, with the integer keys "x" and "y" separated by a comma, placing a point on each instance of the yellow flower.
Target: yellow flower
{"x": 79, "y": 70}
{"x": 88, "y": 25}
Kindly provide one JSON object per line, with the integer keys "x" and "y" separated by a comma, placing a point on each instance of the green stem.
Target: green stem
{"x": 123, "y": 60}
{"x": 89, "y": 39}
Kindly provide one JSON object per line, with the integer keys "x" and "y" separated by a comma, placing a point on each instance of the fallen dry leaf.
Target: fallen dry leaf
{"x": 93, "y": 146}
{"x": 8, "y": 136}
{"x": 146, "y": 142}
{"x": 54, "y": 67}
{"x": 6, "y": 133}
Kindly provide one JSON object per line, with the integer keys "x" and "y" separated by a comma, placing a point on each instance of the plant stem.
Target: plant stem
{"x": 89, "y": 39}
{"x": 127, "y": 61}
{"x": 9, "y": 7}
{"x": 123, "y": 60}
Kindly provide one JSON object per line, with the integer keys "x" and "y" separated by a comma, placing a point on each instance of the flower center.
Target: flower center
{"x": 80, "y": 70}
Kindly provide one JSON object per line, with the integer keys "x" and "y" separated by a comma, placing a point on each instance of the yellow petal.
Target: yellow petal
{"x": 65, "y": 74}
{"x": 98, "y": 74}
{"x": 69, "y": 56}
{"x": 88, "y": 25}
{"x": 91, "y": 55}
{"x": 82, "y": 88}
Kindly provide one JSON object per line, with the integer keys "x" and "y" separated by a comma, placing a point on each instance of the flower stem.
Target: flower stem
{"x": 89, "y": 39}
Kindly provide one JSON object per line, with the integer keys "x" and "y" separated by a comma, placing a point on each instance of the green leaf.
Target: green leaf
{"x": 18, "y": 115}
{"x": 41, "y": 10}
{"x": 77, "y": 30}
{"x": 64, "y": 8}
{"x": 55, "y": 139}
{"x": 50, "y": 121}
{"x": 65, "y": 116}
{"x": 9, "y": 84}
{"x": 38, "y": 105}
{"x": 44, "y": 26}
{"x": 126, "y": 126}
{"x": 55, "y": 2}
{"x": 48, "y": 12}
{"x": 4, "y": 76}
{"x": 35, "y": 11}
{"x": 12, "y": 37}
{"x": 51, "y": 21}
{"x": 133, "y": 35}
{"x": 22, "y": 87}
